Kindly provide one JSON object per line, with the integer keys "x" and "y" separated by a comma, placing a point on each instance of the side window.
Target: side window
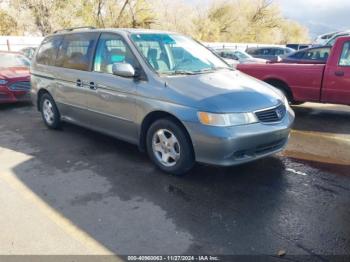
{"x": 345, "y": 55}
{"x": 48, "y": 50}
{"x": 265, "y": 52}
{"x": 77, "y": 51}
{"x": 297, "y": 55}
{"x": 279, "y": 52}
{"x": 112, "y": 49}
{"x": 225, "y": 55}
{"x": 253, "y": 51}
{"x": 317, "y": 54}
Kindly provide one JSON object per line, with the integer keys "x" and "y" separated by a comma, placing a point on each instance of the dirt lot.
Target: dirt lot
{"x": 75, "y": 191}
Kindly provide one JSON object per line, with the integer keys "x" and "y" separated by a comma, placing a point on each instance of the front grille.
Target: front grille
{"x": 260, "y": 149}
{"x": 271, "y": 115}
{"x": 20, "y": 86}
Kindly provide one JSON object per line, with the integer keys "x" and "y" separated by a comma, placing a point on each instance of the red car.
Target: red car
{"x": 325, "y": 83}
{"x": 14, "y": 77}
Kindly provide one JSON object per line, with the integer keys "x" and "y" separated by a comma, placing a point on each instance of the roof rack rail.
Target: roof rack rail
{"x": 73, "y": 28}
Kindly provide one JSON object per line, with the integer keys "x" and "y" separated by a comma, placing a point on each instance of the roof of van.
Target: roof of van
{"x": 120, "y": 30}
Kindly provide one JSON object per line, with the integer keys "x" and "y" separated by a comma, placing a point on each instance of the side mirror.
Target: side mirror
{"x": 123, "y": 70}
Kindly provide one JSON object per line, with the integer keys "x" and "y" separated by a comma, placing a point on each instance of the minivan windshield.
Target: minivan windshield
{"x": 176, "y": 54}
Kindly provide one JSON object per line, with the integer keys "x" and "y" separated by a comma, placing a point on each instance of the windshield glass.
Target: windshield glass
{"x": 176, "y": 54}
{"x": 13, "y": 60}
{"x": 242, "y": 55}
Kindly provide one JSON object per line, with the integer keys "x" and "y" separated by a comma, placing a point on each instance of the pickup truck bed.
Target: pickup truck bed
{"x": 304, "y": 79}
{"x": 326, "y": 83}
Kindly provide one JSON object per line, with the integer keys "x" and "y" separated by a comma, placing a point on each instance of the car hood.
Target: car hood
{"x": 223, "y": 91}
{"x": 14, "y": 72}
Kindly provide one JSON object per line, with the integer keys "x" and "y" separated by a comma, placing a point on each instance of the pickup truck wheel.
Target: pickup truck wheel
{"x": 169, "y": 147}
{"x": 49, "y": 112}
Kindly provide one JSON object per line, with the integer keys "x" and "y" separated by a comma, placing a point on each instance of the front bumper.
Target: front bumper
{"x": 8, "y": 96}
{"x": 239, "y": 144}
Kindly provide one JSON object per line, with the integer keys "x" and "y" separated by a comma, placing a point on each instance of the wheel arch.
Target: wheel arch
{"x": 153, "y": 116}
{"x": 41, "y": 92}
{"x": 281, "y": 85}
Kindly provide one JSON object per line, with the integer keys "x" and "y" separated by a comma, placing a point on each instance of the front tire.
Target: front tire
{"x": 49, "y": 112}
{"x": 169, "y": 147}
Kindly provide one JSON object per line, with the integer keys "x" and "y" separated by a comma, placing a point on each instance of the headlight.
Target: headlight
{"x": 224, "y": 120}
{"x": 3, "y": 82}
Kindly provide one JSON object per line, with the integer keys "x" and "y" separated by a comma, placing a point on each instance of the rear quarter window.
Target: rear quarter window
{"x": 48, "y": 50}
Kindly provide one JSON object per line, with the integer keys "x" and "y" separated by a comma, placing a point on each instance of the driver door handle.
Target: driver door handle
{"x": 339, "y": 73}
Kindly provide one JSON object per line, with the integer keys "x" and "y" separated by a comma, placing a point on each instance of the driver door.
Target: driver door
{"x": 113, "y": 102}
{"x": 336, "y": 87}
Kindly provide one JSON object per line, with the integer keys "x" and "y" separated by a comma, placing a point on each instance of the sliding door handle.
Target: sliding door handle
{"x": 93, "y": 86}
{"x": 79, "y": 83}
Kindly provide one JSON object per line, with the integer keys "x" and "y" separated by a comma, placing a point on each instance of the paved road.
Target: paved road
{"x": 79, "y": 192}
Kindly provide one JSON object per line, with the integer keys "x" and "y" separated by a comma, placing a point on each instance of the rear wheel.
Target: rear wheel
{"x": 169, "y": 147}
{"x": 49, "y": 112}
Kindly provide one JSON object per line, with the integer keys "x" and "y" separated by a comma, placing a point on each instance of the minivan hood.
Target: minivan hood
{"x": 223, "y": 91}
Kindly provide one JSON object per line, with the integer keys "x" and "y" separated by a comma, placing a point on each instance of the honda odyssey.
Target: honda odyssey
{"x": 162, "y": 91}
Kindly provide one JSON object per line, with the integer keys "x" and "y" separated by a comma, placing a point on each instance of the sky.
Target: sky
{"x": 320, "y": 16}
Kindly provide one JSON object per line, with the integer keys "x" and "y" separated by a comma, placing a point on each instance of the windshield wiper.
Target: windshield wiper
{"x": 182, "y": 72}
{"x": 202, "y": 71}
{"x": 205, "y": 70}
{"x": 213, "y": 69}
{"x": 222, "y": 67}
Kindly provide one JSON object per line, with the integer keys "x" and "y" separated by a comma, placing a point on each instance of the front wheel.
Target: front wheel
{"x": 49, "y": 112}
{"x": 169, "y": 147}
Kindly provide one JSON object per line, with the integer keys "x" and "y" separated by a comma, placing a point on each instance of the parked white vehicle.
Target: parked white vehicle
{"x": 239, "y": 57}
{"x": 323, "y": 39}
{"x": 334, "y": 38}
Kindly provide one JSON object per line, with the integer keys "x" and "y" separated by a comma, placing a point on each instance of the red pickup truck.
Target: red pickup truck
{"x": 326, "y": 83}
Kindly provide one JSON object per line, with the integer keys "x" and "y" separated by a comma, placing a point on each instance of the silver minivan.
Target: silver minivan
{"x": 162, "y": 91}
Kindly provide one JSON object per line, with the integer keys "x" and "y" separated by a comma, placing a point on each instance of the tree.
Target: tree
{"x": 8, "y": 25}
{"x": 44, "y": 14}
{"x": 256, "y": 21}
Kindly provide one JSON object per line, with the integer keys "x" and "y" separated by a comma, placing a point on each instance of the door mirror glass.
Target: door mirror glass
{"x": 123, "y": 70}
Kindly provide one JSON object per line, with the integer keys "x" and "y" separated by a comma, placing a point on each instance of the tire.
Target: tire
{"x": 49, "y": 112}
{"x": 176, "y": 147}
